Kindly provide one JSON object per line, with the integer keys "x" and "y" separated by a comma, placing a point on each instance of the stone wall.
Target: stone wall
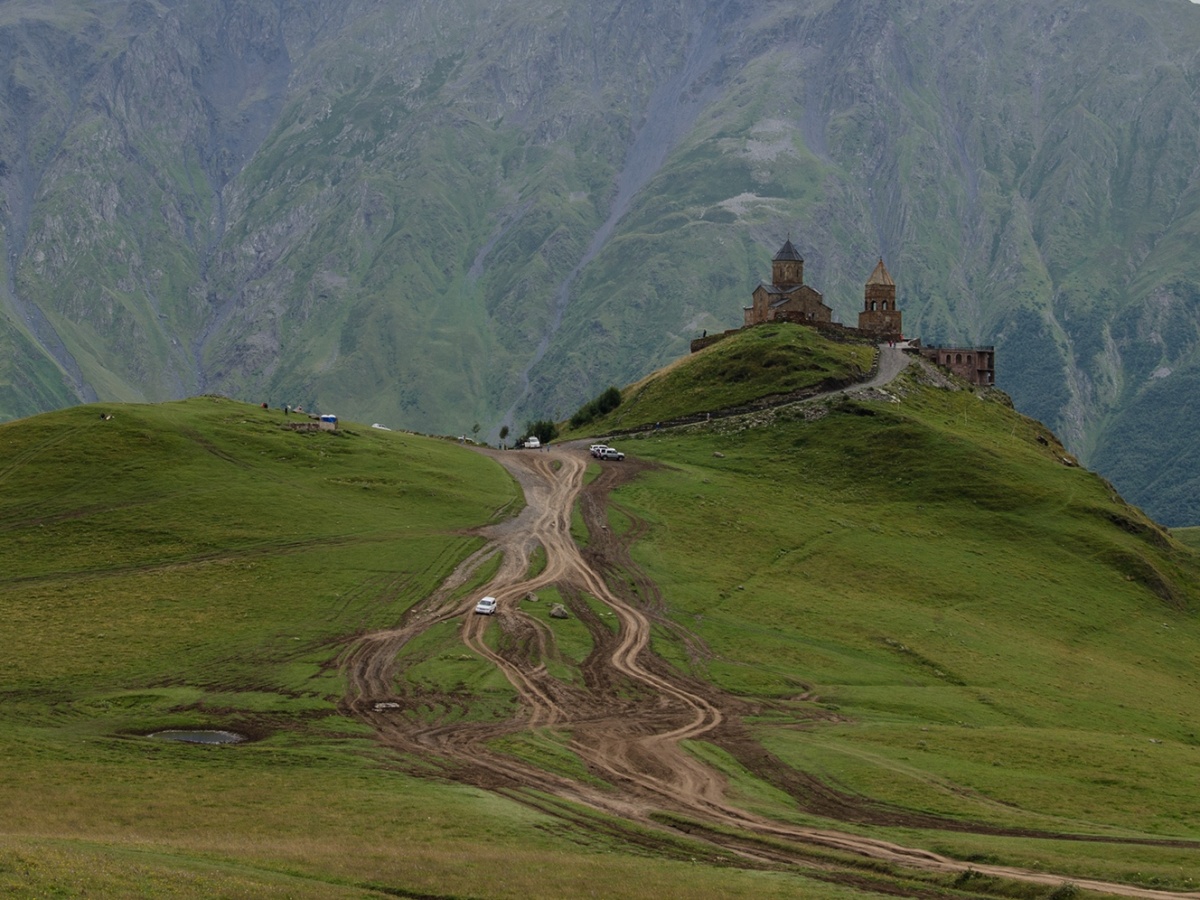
{"x": 708, "y": 340}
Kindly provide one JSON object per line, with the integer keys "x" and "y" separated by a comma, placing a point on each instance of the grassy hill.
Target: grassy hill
{"x": 196, "y": 565}
{"x": 768, "y": 362}
{"x": 986, "y": 620}
{"x": 1189, "y": 536}
{"x": 919, "y": 603}
{"x": 932, "y": 606}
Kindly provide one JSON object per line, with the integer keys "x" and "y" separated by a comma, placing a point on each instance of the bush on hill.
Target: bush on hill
{"x": 593, "y": 409}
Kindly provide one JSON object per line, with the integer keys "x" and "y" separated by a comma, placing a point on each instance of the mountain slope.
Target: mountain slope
{"x": 474, "y": 212}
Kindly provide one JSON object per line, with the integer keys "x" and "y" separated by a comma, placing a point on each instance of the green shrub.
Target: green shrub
{"x": 543, "y": 429}
{"x": 609, "y": 400}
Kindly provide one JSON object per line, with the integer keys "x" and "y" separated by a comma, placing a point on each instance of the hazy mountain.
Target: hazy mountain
{"x": 441, "y": 213}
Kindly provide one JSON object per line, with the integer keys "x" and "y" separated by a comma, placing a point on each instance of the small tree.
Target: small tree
{"x": 503, "y": 434}
{"x": 543, "y": 429}
{"x": 475, "y": 431}
{"x": 609, "y": 400}
{"x": 547, "y": 431}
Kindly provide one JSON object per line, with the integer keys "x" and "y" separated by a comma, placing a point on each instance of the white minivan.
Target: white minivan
{"x": 532, "y": 443}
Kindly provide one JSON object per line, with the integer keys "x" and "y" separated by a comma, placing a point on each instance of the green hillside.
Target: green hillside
{"x": 928, "y": 624}
{"x": 934, "y": 609}
{"x": 1189, "y": 536}
{"x": 765, "y": 364}
{"x": 195, "y": 565}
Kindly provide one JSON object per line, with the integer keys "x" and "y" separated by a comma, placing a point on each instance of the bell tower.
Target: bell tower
{"x": 880, "y": 315}
{"x": 787, "y": 268}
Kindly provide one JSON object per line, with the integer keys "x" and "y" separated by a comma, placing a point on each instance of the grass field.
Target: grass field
{"x": 936, "y": 610}
{"x": 194, "y": 565}
{"x": 926, "y": 605}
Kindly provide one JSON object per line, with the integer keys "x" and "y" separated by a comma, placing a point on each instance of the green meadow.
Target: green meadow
{"x": 195, "y": 565}
{"x": 934, "y": 609}
{"x": 918, "y": 600}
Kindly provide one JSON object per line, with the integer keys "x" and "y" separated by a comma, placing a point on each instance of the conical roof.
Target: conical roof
{"x": 881, "y": 276}
{"x": 788, "y": 252}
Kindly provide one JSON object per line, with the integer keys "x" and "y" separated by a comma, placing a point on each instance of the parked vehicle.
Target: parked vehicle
{"x": 486, "y": 606}
{"x": 610, "y": 453}
{"x": 597, "y": 449}
{"x": 532, "y": 443}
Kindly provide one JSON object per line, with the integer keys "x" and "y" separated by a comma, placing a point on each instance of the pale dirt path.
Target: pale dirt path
{"x": 628, "y": 719}
{"x": 892, "y": 361}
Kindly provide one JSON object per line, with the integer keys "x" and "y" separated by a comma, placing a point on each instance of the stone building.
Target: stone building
{"x": 975, "y": 364}
{"x": 787, "y": 298}
{"x": 880, "y": 317}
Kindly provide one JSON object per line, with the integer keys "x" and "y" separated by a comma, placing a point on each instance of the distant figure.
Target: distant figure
{"x": 287, "y": 410}
{"x": 705, "y": 334}
{"x": 265, "y": 406}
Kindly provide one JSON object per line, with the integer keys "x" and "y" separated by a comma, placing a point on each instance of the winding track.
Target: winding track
{"x": 627, "y": 721}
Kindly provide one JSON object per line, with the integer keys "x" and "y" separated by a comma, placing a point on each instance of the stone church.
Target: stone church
{"x": 787, "y": 298}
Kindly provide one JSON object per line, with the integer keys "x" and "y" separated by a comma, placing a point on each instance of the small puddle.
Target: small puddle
{"x": 200, "y": 737}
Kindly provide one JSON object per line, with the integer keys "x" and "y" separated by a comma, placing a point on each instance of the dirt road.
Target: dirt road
{"x": 630, "y": 713}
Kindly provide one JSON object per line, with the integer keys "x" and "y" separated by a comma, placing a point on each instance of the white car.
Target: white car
{"x": 486, "y": 606}
{"x": 610, "y": 453}
{"x": 532, "y": 443}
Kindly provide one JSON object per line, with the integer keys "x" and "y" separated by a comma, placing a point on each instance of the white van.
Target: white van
{"x": 532, "y": 443}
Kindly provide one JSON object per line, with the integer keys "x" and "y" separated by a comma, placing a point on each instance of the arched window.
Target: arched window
{"x": 885, "y": 306}
{"x": 958, "y": 357}
{"x": 872, "y": 306}
{"x": 968, "y": 359}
